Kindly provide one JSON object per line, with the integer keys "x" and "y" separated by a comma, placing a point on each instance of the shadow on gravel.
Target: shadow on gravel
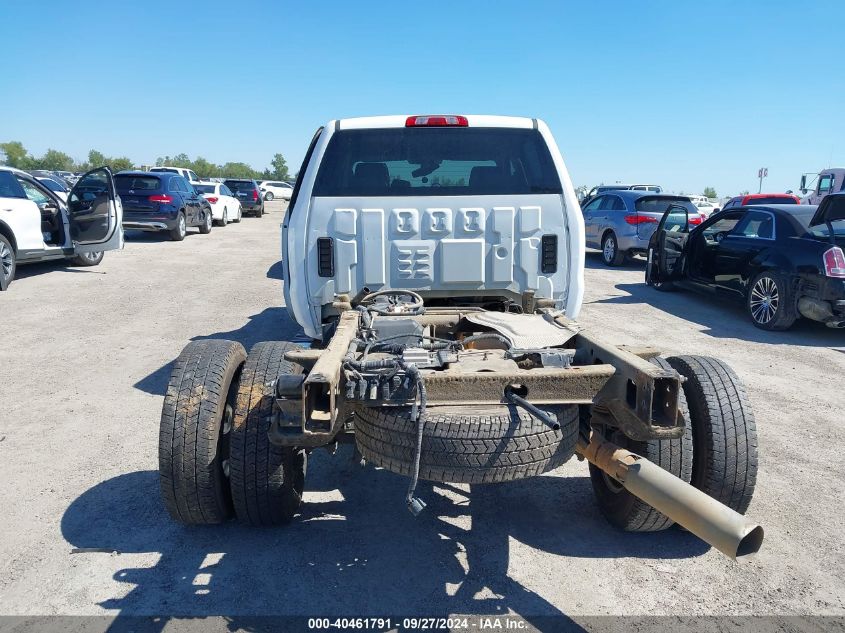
{"x": 593, "y": 260}
{"x": 276, "y": 271}
{"x": 360, "y": 554}
{"x": 32, "y": 270}
{"x": 271, "y": 324}
{"x": 722, "y": 317}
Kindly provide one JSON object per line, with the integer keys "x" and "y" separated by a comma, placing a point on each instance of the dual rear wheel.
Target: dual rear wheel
{"x": 215, "y": 458}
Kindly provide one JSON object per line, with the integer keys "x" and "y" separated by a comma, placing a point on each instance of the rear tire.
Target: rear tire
{"x": 267, "y": 481}
{"x": 724, "y": 430}
{"x": 205, "y": 227}
{"x": 610, "y": 253}
{"x": 178, "y": 233}
{"x": 771, "y": 301}
{"x": 194, "y": 432}
{"x": 467, "y": 444}
{"x": 626, "y": 511}
{"x": 268, "y": 195}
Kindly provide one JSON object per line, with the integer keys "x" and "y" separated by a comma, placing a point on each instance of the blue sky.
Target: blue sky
{"x": 684, "y": 94}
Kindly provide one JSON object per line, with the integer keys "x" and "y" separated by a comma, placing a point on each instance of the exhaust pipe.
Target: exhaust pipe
{"x": 711, "y": 521}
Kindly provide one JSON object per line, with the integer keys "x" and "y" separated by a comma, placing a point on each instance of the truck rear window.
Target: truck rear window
{"x": 436, "y": 162}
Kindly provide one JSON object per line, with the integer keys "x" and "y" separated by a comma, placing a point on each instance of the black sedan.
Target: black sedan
{"x": 782, "y": 261}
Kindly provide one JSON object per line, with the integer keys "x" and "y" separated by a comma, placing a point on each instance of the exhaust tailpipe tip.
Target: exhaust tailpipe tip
{"x": 750, "y": 543}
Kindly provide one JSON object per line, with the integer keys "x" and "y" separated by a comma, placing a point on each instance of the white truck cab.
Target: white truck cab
{"x": 186, "y": 173}
{"x": 464, "y": 210}
{"x": 36, "y": 225}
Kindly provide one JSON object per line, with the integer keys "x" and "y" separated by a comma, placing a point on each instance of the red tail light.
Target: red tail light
{"x": 164, "y": 198}
{"x": 834, "y": 263}
{"x": 696, "y": 220}
{"x": 437, "y": 120}
{"x": 254, "y": 194}
{"x": 212, "y": 199}
{"x": 640, "y": 219}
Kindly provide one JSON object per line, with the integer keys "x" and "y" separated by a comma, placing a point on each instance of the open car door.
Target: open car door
{"x": 667, "y": 245}
{"x": 95, "y": 214}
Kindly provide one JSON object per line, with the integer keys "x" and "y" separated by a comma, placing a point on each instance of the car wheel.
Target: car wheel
{"x": 610, "y": 253}
{"x": 205, "y": 227}
{"x": 7, "y": 262}
{"x": 240, "y": 214}
{"x": 178, "y": 233}
{"x": 88, "y": 259}
{"x": 770, "y": 301}
{"x": 268, "y": 195}
{"x": 225, "y": 216}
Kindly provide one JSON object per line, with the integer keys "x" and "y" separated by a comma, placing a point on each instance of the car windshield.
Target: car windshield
{"x": 436, "y": 162}
{"x": 239, "y": 185}
{"x": 659, "y": 204}
{"x": 136, "y": 183}
{"x": 204, "y": 188}
{"x": 52, "y": 185}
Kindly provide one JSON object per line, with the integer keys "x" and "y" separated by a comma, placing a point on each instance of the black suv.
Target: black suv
{"x": 161, "y": 201}
{"x": 248, "y": 194}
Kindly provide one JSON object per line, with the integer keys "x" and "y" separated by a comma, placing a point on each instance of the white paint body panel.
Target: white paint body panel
{"x": 435, "y": 245}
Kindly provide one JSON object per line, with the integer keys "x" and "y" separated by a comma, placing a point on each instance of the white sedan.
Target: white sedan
{"x": 275, "y": 189}
{"x": 225, "y": 207}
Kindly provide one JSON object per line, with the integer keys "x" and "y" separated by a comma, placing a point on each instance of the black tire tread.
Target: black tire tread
{"x": 725, "y": 432}
{"x": 266, "y": 480}
{"x": 190, "y": 470}
{"x": 462, "y": 446}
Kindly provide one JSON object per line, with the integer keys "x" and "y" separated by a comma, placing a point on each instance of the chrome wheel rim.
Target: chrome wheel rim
{"x": 181, "y": 225}
{"x": 764, "y": 300}
{"x": 225, "y": 216}
{"x": 609, "y": 249}
{"x": 207, "y": 220}
{"x": 91, "y": 257}
{"x": 6, "y": 260}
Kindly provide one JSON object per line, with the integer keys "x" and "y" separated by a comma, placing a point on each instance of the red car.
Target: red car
{"x": 762, "y": 198}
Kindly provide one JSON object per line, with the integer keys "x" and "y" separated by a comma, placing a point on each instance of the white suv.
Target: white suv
{"x": 35, "y": 225}
{"x": 275, "y": 189}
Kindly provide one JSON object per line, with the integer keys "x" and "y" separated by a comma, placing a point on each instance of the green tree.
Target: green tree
{"x": 710, "y": 192}
{"x": 280, "y": 168}
{"x": 239, "y": 170}
{"x": 53, "y": 159}
{"x": 95, "y": 159}
{"x": 16, "y": 155}
{"x": 118, "y": 164}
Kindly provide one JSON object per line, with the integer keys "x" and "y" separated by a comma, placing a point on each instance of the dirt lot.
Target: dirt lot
{"x": 84, "y": 363}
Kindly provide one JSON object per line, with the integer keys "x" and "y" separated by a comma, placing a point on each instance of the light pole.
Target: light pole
{"x": 762, "y": 173}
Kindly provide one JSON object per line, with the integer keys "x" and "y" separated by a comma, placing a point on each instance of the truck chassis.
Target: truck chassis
{"x": 449, "y": 394}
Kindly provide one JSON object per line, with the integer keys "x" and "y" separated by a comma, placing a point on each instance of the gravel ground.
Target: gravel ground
{"x": 84, "y": 363}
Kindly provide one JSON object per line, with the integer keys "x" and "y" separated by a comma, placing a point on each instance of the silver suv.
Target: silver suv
{"x": 620, "y": 223}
